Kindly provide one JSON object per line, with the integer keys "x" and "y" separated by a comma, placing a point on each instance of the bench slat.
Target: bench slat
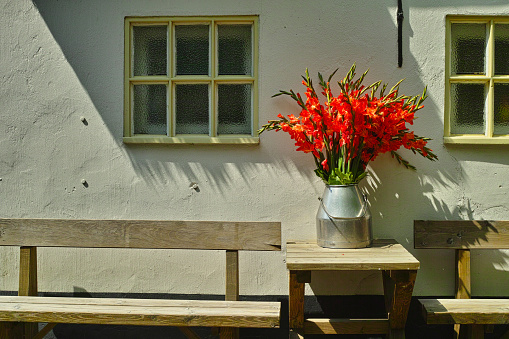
{"x": 149, "y": 312}
{"x": 461, "y": 234}
{"x": 466, "y": 311}
{"x": 154, "y": 234}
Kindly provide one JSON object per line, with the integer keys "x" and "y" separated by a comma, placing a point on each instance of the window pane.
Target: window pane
{"x": 501, "y": 49}
{"x": 149, "y": 109}
{"x": 150, "y": 55}
{"x": 501, "y": 109}
{"x": 235, "y": 49}
{"x": 192, "y": 109}
{"x": 192, "y": 45}
{"x": 468, "y": 48}
{"x": 467, "y": 108}
{"x": 234, "y": 109}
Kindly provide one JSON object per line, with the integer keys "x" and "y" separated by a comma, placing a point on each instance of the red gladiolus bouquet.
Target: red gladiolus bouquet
{"x": 348, "y": 131}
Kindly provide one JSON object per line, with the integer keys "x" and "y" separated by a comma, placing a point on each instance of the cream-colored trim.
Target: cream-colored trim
{"x": 214, "y": 70}
{"x": 171, "y": 79}
{"x": 489, "y": 79}
{"x": 490, "y": 109}
{"x": 477, "y": 140}
{"x": 127, "y": 74}
{"x": 192, "y": 139}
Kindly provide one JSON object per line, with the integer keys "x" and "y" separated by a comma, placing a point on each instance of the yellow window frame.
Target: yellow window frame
{"x": 489, "y": 79}
{"x": 171, "y": 79}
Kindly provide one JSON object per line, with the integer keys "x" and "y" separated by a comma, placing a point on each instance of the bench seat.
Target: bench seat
{"x": 150, "y": 312}
{"x": 466, "y": 311}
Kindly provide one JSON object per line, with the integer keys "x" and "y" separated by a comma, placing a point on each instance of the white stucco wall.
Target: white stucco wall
{"x": 63, "y": 60}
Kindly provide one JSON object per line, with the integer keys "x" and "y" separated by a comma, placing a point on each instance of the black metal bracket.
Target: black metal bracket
{"x": 400, "y": 18}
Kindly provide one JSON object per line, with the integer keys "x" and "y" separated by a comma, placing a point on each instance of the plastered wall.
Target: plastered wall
{"x": 63, "y": 60}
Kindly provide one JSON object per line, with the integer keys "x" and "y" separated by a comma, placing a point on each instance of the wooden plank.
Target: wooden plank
{"x": 265, "y": 306}
{"x": 147, "y": 312}
{"x": 11, "y": 330}
{"x": 466, "y": 311}
{"x": 476, "y": 332}
{"x": 398, "y": 288}
{"x": 463, "y": 287}
{"x": 346, "y": 326}
{"x": 28, "y": 271}
{"x": 232, "y": 275}
{"x": 189, "y": 333}
{"x": 461, "y": 234}
{"x": 256, "y": 236}
{"x": 28, "y": 283}
{"x": 463, "y": 283}
{"x": 382, "y": 255}
{"x": 296, "y": 301}
{"x": 232, "y": 290}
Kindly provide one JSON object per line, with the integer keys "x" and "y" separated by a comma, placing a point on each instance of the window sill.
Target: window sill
{"x": 477, "y": 140}
{"x": 193, "y": 140}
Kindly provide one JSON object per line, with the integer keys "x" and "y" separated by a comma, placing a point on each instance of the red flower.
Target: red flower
{"x": 351, "y": 129}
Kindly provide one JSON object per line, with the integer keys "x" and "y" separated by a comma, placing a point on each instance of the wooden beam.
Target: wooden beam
{"x": 28, "y": 283}
{"x": 461, "y": 234}
{"x": 296, "y": 301}
{"x": 189, "y": 333}
{"x": 146, "y": 312}
{"x": 465, "y": 311}
{"x": 346, "y": 326}
{"x": 45, "y": 330}
{"x": 463, "y": 283}
{"x": 232, "y": 290}
{"x": 463, "y": 288}
{"x": 398, "y": 287}
{"x": 256, "y": 236}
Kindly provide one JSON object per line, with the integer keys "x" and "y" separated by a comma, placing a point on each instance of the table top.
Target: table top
{"x": 383, "y": 254}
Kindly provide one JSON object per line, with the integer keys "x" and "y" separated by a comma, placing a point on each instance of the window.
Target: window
{"x": 477, "y": 80}
{"x": 191, "y": 80}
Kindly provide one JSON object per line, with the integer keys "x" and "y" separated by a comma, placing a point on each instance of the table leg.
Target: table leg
{"x": 398, "y": 288}
{"x": 298, "y": 281}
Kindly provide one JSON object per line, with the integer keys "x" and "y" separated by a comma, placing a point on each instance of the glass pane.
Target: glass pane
{"x": 467, "y": 108}
{"x": 234, "y": 109}
{"x": 192, "y": 49}
{"x": 149, "y": 109}
{"x": 501, "y": 49}
{"x": 235, "y": 49}
{"x": 468, "y": 48}
{"x": 192, "y": 109}
{"x": 150, "y": 55}
{"x": 501, "y": 109}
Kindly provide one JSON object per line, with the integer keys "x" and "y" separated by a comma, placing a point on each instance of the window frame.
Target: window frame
{"x": 489, "y": 79}
{"x": 213, "y": 79}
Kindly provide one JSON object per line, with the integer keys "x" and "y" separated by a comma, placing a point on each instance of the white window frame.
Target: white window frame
{"x": 171, "y": 79}
{"x": 489, "y": 79}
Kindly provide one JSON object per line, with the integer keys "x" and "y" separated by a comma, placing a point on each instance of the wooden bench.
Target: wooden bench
{"x": 472, "y": 317}
{"x": 20, "y": 314}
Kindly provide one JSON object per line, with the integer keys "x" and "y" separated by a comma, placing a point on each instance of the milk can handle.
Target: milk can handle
{"x": 364, "y": 208}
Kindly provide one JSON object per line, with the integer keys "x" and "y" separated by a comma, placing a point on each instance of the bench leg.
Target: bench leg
{"x": 229, "y": 333}
{"x": 10, "y": 330}
{"x": 398, "y": 288}
{"x": 28, "y": 283}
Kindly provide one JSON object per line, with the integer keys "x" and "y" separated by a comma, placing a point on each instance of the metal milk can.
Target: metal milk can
{"x": 343, "y": 219}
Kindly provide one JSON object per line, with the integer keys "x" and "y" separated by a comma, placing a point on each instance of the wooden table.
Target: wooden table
{"x": 398, "y": 267}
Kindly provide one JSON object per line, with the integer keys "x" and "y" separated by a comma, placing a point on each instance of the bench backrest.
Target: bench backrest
{"x": 29, "y": 234}
{"x": 154, "y": 234}
{"x": 462, "y": 236}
